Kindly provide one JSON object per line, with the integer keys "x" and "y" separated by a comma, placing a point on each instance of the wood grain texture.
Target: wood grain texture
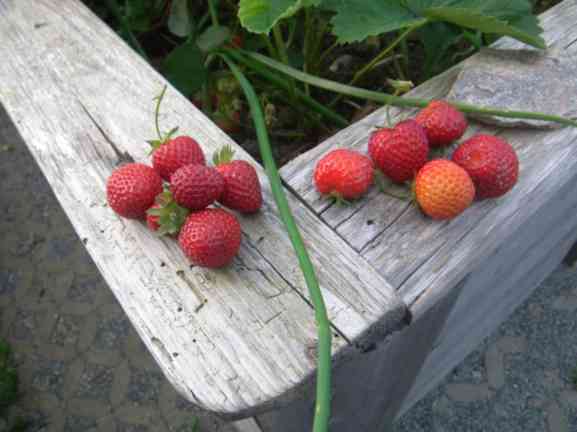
{"x": 411, "y": 251}
{"x": 498, "y": 286}
{"x": 82, "y": 101}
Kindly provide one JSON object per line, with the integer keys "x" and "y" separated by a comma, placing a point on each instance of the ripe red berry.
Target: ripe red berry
{"x": 344, "y": 174}
{"x": 401, "y": 151}
{"x": 195, "y": 187}
{"x": 491, "y": 162}
{"x": 242, "y": 189}
{"x": 176, "y": 153}
{"x": 210, "y": 237}
{"x": 131, "y": 189}
{"x": 152, "y": 220}
{"x": 443, "y": 123}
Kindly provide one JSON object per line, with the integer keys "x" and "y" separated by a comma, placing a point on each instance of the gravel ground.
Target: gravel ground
{"x": 83, "y": 368}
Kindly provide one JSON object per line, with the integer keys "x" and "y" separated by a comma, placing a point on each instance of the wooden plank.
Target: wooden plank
{"x": 501, "y": 284}
{"x": 369, "y": 389}
{"x": 82, "y": 101}
{"x": 395, "y": 237}
{"x": 247, "y": 425}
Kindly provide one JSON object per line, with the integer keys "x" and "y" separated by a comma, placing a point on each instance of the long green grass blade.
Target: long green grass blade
{"x": 323, "y": 390}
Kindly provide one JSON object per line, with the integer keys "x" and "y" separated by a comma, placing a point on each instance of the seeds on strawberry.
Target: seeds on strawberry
{"x": 131, "y": 189}
{"x": 195, "y": 187}
{"x": 242, "y": 190}
{"x": 443, "y": 189}
{"x": 401, "y": 151}
{"x": 443, "y": 123}
{"x": 491, "y": 162}
{"x": 176, "y": 153}
{"x": 210, "y": 237}
{"x": 344, "y": 174}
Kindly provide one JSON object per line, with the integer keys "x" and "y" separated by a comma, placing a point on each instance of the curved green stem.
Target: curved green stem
{"x": 370, "y": 65}
{"x": 280, "y": 82}
{"x": 323, "y": 399}
{"x": 283, "y": 54}
{"x": 397, "y": 100}
{"x": 157, "y": 112}
{"x": 113, "y": 6}
{"x": 213, "y": 14}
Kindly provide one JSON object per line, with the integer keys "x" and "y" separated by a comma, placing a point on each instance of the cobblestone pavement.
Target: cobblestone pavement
{"x": 84, "y": 369}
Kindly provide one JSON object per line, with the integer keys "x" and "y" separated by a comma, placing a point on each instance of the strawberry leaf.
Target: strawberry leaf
{"x": 260, "y": 16}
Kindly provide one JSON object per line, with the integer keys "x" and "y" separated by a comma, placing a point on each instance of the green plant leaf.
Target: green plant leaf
{"x": 140, "y": 14}
{"x": 355, "y": 20}
{"x": 473, "y": 19}
{"x": 260, "y": 16}
{"x": 212, "y": 38}
{"x": 437, "y": 38}
{"x": 358, "y": 19}
{"x": 180, "y": 21}
{"x": 184, "y": 68}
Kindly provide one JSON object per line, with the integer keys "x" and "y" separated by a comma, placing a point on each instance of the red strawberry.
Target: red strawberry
{"x": 131, "y": 189}
{"x": 344, "y": 174}
{"x": 210, "y": 237}
{"x": 152, "y": 217}
{"x": 195, "y": 187}
{"x": 491, "y": 162}
{"x": 443, "y": 123}
{"x": 401, "y": 151}
{"x": 443, "y": 189}
{"x": 242, "y": 189}
{"x": 175, "y": 153}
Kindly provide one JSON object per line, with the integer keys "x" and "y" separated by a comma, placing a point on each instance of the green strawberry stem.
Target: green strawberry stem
{"x": 323, "y": 389}
{"x": 397, "y": 100}
{"x": 158, "y": 100}
{"x": 302, "y": 97}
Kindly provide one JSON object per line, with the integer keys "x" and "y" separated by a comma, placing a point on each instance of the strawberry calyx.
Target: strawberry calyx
{"x": 223, "y": 156}
{"x": 170, "y": 215}
{"x": 339, "y": 200}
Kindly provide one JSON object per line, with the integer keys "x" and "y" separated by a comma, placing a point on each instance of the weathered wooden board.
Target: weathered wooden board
{"x": 395, "y": 237}
{"x": 82, "y": 101}
{"x": 369, "y": 389}
{"x": 502, "y": 283}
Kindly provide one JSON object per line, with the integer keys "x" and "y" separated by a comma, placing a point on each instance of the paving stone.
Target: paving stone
{"x": 8, "y": 282}
{"x": 75, "y": 423}
{"x": 111, "y": 334}
{"x": 95, "y": 382}
{"x": 464, "y": 392}
{"x": 565, "y": 303}
{"x": 512, "y": 344}
{"x": 120, "y": 384}
{"x": 49, "y": 376}
{"x": 556, "y": 419}
{"x": 495, "y": 367}
{"x": 143, "y": 386}
{"x": 551, "y": 380}
{"x": 569, "y": 398}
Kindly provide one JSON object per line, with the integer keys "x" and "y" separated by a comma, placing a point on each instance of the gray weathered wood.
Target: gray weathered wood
{"x": 82, "y": 101}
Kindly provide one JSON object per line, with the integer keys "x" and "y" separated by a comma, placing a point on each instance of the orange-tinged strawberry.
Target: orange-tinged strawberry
{"x": 442, "y": 122}
{"x": 443, "y": 189}
{"x": 344, "y": 174}
{"x": 401, "y": 151}
{"x": 491, "y": 162}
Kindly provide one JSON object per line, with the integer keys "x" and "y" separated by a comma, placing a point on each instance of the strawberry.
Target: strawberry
{"x": 195, "y": 187}
{"x": 443, "y": 123}
{"x": 491, "y": 162}
{"x": 443, "y": 189}
{"x": 344, "y": 174}
{"x": 242, "y": 189}
{"x": 175, "y": 153}
{"x": 131, "y": 189}
{"x": 210, "y": 237}
{"x": 166, "y": 216}
{"x": 152, "y": 217}
{"x": 401, "y": 151}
